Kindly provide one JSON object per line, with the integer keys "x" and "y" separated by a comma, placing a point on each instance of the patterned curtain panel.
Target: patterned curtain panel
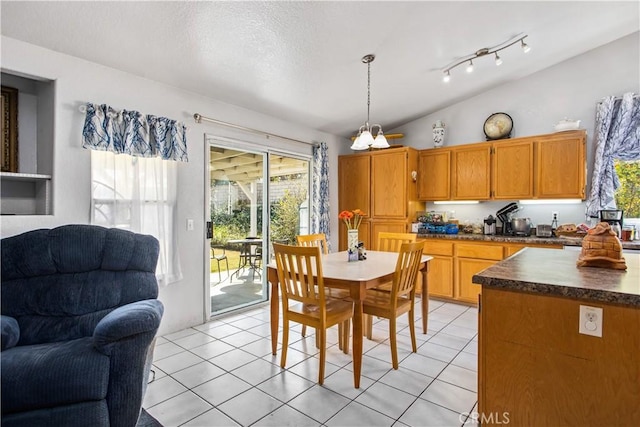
{"x": 131, "y": 132}
{"x": 617, "y": 136}
{"x": 320, "y": 214}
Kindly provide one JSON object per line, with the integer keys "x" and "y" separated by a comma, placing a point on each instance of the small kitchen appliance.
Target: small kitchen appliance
{"x": 504, "y": 215}
{"x": 520, "y": 226}
{"x": 544, "y": 230}
{"x": 490, "y": 225}
{"x": 614, "y": 218}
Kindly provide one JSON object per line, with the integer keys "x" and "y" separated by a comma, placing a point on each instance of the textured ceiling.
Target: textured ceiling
{"x": 300, "y": 61}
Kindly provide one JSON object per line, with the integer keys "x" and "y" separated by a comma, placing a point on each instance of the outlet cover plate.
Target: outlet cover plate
{"x": 590, "y": 321}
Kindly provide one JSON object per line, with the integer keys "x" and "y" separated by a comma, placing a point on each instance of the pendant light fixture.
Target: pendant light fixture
{"x": 365, "y": 139}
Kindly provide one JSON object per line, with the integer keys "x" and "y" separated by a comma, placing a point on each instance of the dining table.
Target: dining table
{"x": 355, "y": 276}
{"x": 248, "y": 259}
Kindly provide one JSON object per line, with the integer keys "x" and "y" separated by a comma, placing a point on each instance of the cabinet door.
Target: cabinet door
{"x": 513, "y": 170}
{"x": 465, "y": 289}
{"x": 354, "y": 183}
{"x": 434, "y": 172}
{"x": 441, "y": 277}
{"x": 561, "y": 166}
{"x": 389, "y": 184}
{"x": 471, "y": 172}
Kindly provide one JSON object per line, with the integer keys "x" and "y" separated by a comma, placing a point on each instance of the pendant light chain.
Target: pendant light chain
{"x": 368, "y": 92}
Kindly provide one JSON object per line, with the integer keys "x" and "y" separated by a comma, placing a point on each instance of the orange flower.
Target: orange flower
{"x": 356, "y": 215}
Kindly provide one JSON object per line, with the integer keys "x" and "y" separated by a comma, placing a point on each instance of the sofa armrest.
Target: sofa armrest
{"x": 127, "y": 321}
{"x": 10, "y": 332}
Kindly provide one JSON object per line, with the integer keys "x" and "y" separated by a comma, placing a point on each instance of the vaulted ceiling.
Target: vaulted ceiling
{"x": 301, "y": 61}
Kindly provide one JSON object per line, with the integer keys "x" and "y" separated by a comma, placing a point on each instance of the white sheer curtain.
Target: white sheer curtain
{"x": 138, "y": 194}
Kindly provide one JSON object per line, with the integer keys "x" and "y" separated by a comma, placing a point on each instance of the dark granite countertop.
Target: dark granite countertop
{"x": 531, "y": 240}
{"x": 554, "y": 272}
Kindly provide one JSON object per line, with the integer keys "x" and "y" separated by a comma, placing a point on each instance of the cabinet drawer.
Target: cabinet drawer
{"x": 479, "y": 251}
{"x": 438, "y": 248}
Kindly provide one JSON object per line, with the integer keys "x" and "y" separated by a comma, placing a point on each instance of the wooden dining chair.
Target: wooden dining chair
{"x": 401, "y": 298}
{"x": 387, "y": 242}
{"x": 304, "y": 300}
{"x": 317, "y": 239}
{"x": 320, "y": 240}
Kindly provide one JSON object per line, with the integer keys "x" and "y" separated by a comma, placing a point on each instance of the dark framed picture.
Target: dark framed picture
{"x": 9, "y": 153}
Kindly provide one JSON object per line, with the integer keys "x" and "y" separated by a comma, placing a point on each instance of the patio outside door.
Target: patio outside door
{"x": 247, "y": 190}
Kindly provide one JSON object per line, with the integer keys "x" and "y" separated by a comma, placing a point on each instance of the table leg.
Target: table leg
{"x": 424, "y": 298}
{"x": 272, "y": 275}
{"x": 357, "y": 341}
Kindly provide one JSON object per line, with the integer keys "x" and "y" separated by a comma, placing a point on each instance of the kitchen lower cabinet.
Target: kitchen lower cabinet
{"x": 456, "y": 261}
{"x": 441, "y": 276}
{"x": 465, "y": 289}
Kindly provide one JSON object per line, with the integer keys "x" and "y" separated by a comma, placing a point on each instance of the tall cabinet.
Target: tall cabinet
{"x": 381, "y": 184}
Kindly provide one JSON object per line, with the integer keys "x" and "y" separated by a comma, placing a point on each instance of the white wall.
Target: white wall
{"x": 569, "y": 89}
{"x": 79, "y": 81}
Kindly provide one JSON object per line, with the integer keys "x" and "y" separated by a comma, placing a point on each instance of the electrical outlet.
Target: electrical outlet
{"x": 554, "y": 214}
{"x": 590, "y": 321}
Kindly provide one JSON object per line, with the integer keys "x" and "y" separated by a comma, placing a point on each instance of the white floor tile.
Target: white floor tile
{"x": 178, "y": 362}
{"x": 232, "y": 359}
{"x": 427, "y": 414}
{"x": 194, "y": 340}
{"x": 319, "y": 403}
{"x": 438, "y": 352}
{"x": 221, "y": 389}
{"x": 450, "y": 396}
{"x": 378, "y": 397}
{"x": 257, "y": 371}
{"x": 459, "y": 331}
{"x": 198, "y": 374}
{"x": 165, "y": 350}
{"x": 450, "y": 341}
{"x": 180, "y": 334}
{"x": 212, "y": 349}
{"x": 250, "y": 406}
{"x": 341, "y": 382}
{"x": 212, "y": 418}
{"x": 407, "y": 381}
{"x": 161, "y": 390}
{"x": 424, "y": 365}
{"x": 286, "y": 386}
{"x": 461, "y": 377}
{"x": 286, "y": 416}
{"x": 357, "y": 415}
{"x": 179, "y": 409}
{"x": 466, "y": 360}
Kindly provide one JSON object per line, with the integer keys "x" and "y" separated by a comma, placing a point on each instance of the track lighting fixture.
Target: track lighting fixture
{"x": 484, "y": 52}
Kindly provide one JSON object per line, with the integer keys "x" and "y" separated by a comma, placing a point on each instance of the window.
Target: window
{"x": 628, "y": 194}
{"x": 138, "y": 194}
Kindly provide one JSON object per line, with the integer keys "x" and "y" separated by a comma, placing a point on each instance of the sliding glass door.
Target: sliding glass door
{"x": 255, "y": 198}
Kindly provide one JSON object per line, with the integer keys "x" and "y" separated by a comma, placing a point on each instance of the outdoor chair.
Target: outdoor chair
{"x": 218, "y": 258}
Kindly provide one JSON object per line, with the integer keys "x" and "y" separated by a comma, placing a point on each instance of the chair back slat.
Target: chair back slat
{"x": 404, "y": 279}
{"x": 296, "y": 267}
{"x": 318, "y": 239}
{"x": 390, "y": 242}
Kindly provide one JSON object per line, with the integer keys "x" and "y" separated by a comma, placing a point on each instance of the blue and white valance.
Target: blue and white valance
{"x": 133, "y": 133}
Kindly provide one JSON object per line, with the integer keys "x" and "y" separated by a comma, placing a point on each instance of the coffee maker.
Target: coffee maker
{"x": 504, "y": 215}
{"x": 614, "y": 218}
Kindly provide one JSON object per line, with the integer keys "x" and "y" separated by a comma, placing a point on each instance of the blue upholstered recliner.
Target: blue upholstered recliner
{"x": 79, "y": 314}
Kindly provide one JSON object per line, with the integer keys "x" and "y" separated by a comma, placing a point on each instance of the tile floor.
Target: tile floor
{"x": 222, "y": 373}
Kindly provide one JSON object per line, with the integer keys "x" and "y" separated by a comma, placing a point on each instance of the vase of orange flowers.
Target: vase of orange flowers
{"x": 352, "y": 220}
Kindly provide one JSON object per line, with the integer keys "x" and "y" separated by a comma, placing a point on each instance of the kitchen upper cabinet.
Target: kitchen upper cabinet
{"x": 561, "y": 165}
{"x": 471, "y": 172}
{"x": 512, "y": 165}
{"x": 434, "y": 174}
{"x": 353, "y": 177}
{"x": 389, "y": 179}
{"x": 549, "y": 166}
{"x": 380, "y": 183}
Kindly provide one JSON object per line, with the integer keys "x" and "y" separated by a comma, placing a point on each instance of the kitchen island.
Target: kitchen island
{"x": 534, "y": 366}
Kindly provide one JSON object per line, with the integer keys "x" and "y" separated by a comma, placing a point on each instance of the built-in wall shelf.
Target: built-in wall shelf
{"x": 25, "y": 194}
{"x": 26, "y": 183}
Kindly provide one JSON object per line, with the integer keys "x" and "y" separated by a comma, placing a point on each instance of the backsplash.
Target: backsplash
{"x": 539, "y": 214}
